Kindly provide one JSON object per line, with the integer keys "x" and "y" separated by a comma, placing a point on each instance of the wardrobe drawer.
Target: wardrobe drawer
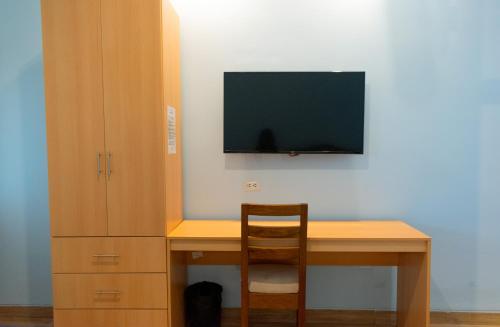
{"x": 108, "y": 254}
{"x": 134, "y": 291}
{"x": 110, "y": 318}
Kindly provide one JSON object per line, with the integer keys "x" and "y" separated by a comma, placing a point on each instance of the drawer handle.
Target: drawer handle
{"x": 106, "y": 256}
{"x": 103, "y": 292}
{"x": 108, "y": 259}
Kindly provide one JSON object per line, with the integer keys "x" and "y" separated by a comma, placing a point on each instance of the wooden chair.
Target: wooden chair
{"x": 273, "y": 261}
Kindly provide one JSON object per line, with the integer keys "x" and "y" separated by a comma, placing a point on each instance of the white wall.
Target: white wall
{"x": 433, "y": 107}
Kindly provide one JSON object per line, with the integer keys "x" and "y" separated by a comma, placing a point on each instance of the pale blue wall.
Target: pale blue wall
{"x": 433, "y": 136}
{"x": 24, "y": 218}
{"x": 433, "y": 111}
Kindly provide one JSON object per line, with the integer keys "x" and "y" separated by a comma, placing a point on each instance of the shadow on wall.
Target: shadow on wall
{"x": 24, "y": 209}
{"x": 451, "y": 46}
{"x": 34, "y": 148}
{"x": 257, "y": 161}
{"x": 438, "y": 48}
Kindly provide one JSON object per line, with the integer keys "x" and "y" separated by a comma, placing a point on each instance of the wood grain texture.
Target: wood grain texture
{"x": 273, "y": 231}
{"x": 323, "y": 236}
{"x": 261, "y": 255}
{"x": 74, "y": 115}
{"x": 313, "y": 245}
{"x": 42, "y": 317}
{"x": 113, "y": 67}
{"x": 111, "y": 291}
{"x": 244, "y": 268}
{"x": 313, "y": 258}
{"x": 344, "y": 245}
{"x": 465, "y": 318}
{"x": 108, "y": 254}
{"x": 316, "y": 318}
{"x": 177, "y": 282}
{"x": 296, "y": 255}
{"x": 273, "y": 301}
{"x": 414, "y": 289}
{"x": 28, "y": 312}
{"x": 301, "y": 306}
{"x": 326, "y": 230}
{"x": 384, "y": 242}
{"x": 134, "y": 116}
{"x": 275, "y": 210}
{"x": 172, "y": 97}
{"x": 111, "y": 318}
{"x": 365, "y": 318}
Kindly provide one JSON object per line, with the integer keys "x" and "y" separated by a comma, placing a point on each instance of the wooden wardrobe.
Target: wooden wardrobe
{"x": 112, "y": 83}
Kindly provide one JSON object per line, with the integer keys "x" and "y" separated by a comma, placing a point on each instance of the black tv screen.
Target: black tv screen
{"x": 294, "y": 112}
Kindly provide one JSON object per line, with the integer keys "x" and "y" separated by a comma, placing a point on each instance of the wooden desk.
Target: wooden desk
{"x": 349, "y": 243}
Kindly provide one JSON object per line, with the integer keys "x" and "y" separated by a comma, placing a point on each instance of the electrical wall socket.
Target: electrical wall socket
{"x": 252, "y": 187}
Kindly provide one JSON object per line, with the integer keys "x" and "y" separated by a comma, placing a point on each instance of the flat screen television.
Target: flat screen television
{"x": 294, "y": 112}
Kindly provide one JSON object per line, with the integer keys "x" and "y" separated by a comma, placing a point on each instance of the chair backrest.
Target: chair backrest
{"x": 274, "y": 244}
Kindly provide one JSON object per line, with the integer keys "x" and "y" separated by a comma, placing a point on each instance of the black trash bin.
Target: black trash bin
{"x": 203, "y": 305}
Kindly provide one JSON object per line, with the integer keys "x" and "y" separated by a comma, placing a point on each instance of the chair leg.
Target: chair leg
{"x": 244, "y": 316}
{"x": 301, "y": 317}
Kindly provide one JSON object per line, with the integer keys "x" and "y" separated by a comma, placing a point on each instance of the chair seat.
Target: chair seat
{"x": 275, "y": 279}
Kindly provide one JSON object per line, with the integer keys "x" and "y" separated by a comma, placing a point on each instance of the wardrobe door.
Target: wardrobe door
{"x": 134, "y": 116}
{"x": 75, "y": 122}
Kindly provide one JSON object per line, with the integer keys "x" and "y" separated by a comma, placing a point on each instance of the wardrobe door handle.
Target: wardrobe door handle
{"x": 108, "y": 165}
{"x": 99, "y": 170}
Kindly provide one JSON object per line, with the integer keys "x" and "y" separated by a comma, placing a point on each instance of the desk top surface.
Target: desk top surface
{"x": 347, "y": 230}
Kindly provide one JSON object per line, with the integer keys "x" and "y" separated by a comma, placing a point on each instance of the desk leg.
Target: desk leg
{"x": 176, "y": 276}
{"x": 414, "y": 289}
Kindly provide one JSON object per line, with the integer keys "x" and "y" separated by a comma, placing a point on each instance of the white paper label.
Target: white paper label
{"x": 172, "y": 136}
